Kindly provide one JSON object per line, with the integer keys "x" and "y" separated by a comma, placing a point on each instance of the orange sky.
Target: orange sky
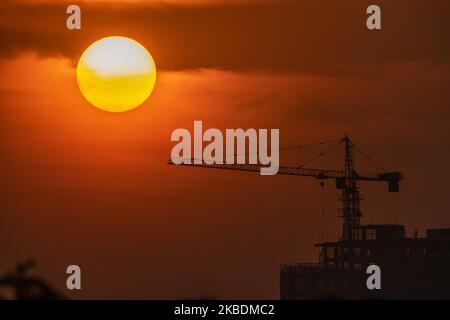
{"x": 81, "y": 186}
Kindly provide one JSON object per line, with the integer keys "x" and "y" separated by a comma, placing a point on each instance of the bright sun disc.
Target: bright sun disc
{"x": 116, "y": 74}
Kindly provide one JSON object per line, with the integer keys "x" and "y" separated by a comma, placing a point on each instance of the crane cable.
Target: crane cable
{"x": 322, "y": 198}
{"x": 369, "y": 159}
{"x": 320, "y": 154}
{"x": 300, "y": 146}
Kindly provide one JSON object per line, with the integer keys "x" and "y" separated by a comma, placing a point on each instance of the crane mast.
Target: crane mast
{"x": 350, "y": 195}
{"x": 346, "y": 181}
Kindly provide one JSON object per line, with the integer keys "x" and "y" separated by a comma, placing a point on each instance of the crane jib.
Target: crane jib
{"x": 393, "y": 178}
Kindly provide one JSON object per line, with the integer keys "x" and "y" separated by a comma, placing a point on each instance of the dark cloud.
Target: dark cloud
{"x": 281, "y": 36}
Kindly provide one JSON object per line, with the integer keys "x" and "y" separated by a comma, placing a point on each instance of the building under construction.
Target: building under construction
{"x": 411, "y": 267}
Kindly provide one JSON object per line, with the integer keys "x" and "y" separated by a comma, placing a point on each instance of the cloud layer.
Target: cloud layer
{"x": 281, "y": 36}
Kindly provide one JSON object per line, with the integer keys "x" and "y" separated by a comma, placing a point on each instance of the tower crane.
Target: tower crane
{"x": 346, "y": 180}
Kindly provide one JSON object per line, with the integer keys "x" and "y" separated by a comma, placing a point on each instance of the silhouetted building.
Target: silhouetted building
{"x": 411, "y": 267}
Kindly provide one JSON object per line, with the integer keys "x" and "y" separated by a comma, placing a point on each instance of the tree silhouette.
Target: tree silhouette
{"x": 27, "y": 287}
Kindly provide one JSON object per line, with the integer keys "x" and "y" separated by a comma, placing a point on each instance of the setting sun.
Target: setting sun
{"x": 116, "y": 74}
